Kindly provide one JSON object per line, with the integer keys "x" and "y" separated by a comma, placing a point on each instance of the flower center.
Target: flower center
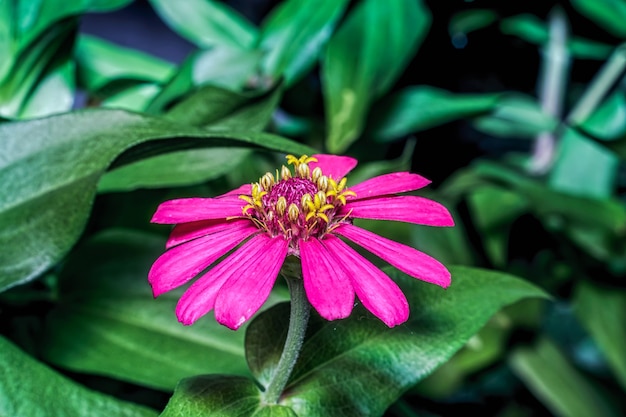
{"x": 296, "y": 205}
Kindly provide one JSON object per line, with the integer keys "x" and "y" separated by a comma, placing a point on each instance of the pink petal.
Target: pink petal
{"x": 405, "y": 258}
{"x": 178, "y": 265}
{"x": 397, "y": 182}
{"x": 200, "y": 297}
{"x": 185, "y": 232}
{"x": 378, "y": 293}
{"x": 409, "y": 209}
{"x": 186, "y": 210}
{"x": 327, "y": 287}
{"x": 333, "y": 166}
{"x": 243, "y": 294}
{"x": 245, "y": 189}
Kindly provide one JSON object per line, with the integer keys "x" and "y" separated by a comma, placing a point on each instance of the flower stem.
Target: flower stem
{"x": 298, "y": 320}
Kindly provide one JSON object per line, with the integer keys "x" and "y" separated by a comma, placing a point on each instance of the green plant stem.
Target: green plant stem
{"x": 298, "y": 320}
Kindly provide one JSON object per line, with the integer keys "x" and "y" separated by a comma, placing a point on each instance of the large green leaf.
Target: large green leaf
{"x": 207, "y": 23}
{"x": 610, "y": 14}
{"x": 564, "y": 390}
{"x": 28, "y": 389}
{"x": 107, "y": 321}
{"x": 50, "y": 167}
{"x": 602, "y": 310}
{"x": 358, "y": 366}
{"x": 363, "y": 59}
{"x": 422, "y": 107}
{"x": 293, "y": 35}
{"x": 218, "y": 110}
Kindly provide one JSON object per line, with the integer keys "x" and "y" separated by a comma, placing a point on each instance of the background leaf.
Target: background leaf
{"x": 565, "y": 391}
{"x": 293, "y": 35}
{"x": 28, "y": 388}
{"x": 363, "y": 59}
{"x": 207, "y": 23}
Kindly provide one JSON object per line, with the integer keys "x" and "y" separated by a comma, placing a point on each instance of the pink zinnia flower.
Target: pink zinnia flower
{"x": 300, "y": 214}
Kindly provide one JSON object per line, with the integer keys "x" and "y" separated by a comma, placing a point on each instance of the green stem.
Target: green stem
{"x": 298, "y": 320}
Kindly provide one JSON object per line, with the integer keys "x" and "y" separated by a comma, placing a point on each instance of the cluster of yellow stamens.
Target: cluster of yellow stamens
{"x": 298, "y": 204}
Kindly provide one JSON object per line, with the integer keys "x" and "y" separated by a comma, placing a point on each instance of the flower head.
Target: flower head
{"x": 300, "y": 212}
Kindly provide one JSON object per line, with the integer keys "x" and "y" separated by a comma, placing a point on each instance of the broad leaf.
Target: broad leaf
{"x": 358, "y": 366}
{"x": 293, "y": 35}
{"x": 107, "y": 322}
{"x": 218, "y": 110}
{"x": 49, "y": 181}
{"x": 207, "y": 23}
{"x": 422, "y": 107}
{"x": 602, "y": 311}
{"x": 363, "y": 59}
{"x": 29, "y": 388}
{"x": 564, "y": 390}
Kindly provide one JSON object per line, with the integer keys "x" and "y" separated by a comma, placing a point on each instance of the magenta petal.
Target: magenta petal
{"x": 397, "y": 182}
{"x": 186, "y": 210}
{"x": 327, "y": 287}
{"x": 333, "y": 166}
{"x": 180, "y": 264}
{"x": 200, "y": 297}
{"x": 378, "y": 293}
{"x": 244, "y": 293}
{"x": 185, "y": 232}
{"x": 409, "y": 209}
{"x": 405, "y": 258}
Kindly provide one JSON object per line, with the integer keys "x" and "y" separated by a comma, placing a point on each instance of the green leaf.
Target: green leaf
{"x": 101, "y": 63}
{"x": 608, "y": 121}
{"x": 49, "y": 181}
{"x": 609, "y": 14}
{"x": 358, "y": 366}
{"x": 212, "y": 107}
{"x": 516, "y": 116}
{"x": 468, "y": 21}
{"x": 213, "y": 395}
{"x": 107, "y": 322}
{"x": 29, "y": 388}
{"x": 602, "y": 310}
{"x": 43, "y": 62}
{"x": 422, "y": 107}
{"x": 363, "y": 59}
{"x": 564, "y": 390}
{"x": 293, "y": 35}
{"x": 207, "y": 23}
{"x": 534, "y": 30}
{"x": 494, "y": 210}
{"x": 219, "y": 66}
{"x": 21, "y": 23}
{"x": 584, "y": 167}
